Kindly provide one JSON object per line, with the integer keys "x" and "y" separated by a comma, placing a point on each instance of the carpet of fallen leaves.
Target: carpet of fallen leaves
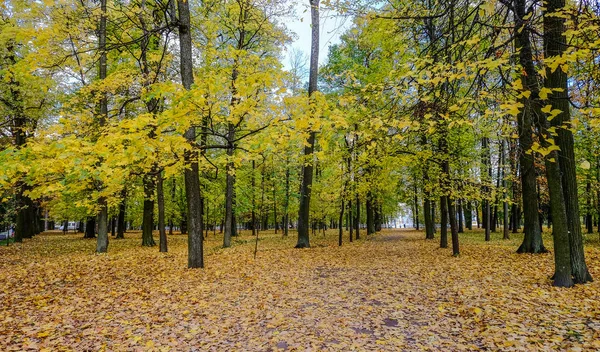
{"x": 393, "y": 291}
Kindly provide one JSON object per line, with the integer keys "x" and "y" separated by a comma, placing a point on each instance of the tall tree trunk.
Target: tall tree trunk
{"x": 160, "y": 197}
{"x": 486, "y": 210}
{"x": 90, "y": 227}
{"x": 253, "y": 185}
{"x": 229, "y": 184}
{"x": 307, "y": 168}
{"x": 340, "y": 228}
{"x": 121, "y": 216}
{"x": 148, "y": 215}
{"x": 532, "y": 239}
{"x": 192, "y": 174}
{"x": 378, "y": 217}
{"x": 286, "y": 220}
{"x": 24, "y": 205}
{"x": 460, "y": 217}
{"x": 275, "y": 201}
{"x": 433, "y": 217}
{"x": 560, "y": 231}
{"x": 589, "y": 222}
{"x": 554, "y": 46}
{"x": 349, "y": 222}
{"x": 453, "y": 227}
{"x": 357, "y": 218}
{"x": 371, "y": 215}
{"x": 416, "y": 206}
{"x": 469, "y": 215}
{"x": 102, "y": 242}
{"x": 429, "y": 224}
{"x": 444, "y": 222}
{"x": 263, "y": 217}
{"x": 505, "y": 227}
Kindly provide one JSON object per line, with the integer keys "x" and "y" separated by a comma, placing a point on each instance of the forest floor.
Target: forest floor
{"x": 393, "y": 291}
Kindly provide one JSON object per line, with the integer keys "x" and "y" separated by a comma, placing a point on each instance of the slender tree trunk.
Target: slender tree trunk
{"x": 589, "y": 222}
{"x": 253, "y": 185}
{"x": 444, "y": 222}
{"x": 160, "y": 197}
{"x": 121, "y": 216}
{"x": 453, "y": 227}
{"x": 495, "y": 218}
{"x": 263, "y": 217}
{"x": 429, "y": 224}
{"x": 230, "y": 182}
{"x": 433, "y": 217}
{"x": 148, "y": 215}
{"x": 486, "y": 210}
{"x": 371, "y": 215}
{"x": 416, "y": 207}
{"x": 505, "y": 227}
{"x": 340, "y": 228}
{"x": 192, "y": 174}
{"x": 357, "y": 218}
{"x": 102, "y": 242}
{"x": 286, "y": 220}
{"x": 307, "y": 168}
{"x": 460, "y": 217}
{"x": 275, "y": 201}
{"x": 349, "y": 222}
{"x": 469, "y": 215}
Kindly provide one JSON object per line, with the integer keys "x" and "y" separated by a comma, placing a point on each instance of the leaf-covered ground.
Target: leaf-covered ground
{"x": 394, "y": 291}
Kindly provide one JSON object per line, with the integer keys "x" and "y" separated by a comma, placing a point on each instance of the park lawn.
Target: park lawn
{"x": 392, "y": 291}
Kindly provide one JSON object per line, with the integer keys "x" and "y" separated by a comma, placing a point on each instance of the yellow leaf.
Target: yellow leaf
{"x": 585, "y": 165}
{"x": 544, "y": 93}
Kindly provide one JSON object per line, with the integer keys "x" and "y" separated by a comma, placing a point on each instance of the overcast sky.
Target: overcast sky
{"x": 331, "y": 27}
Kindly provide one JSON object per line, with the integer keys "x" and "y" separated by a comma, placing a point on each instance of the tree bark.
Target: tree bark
{"x": 444, "y": 222}
{"x": 148, "y": 214}
{"x": 90, "y": 228}
{"x": 160, "y": 197}
{"x": 469, "y": 215}
{"x": 121, "y": 216}
{"x": 286, "y": 220}
{"x": 429, "y": 224}
{"x": 505, "y": 227}
{"x": 253, "y": 185}
{"x": 453, "y": 227}
{"x": 460, "y": 217}
{"x": 192, "y": 174}
{"x": 357, "y": 217}
{"x": 554, "y": 46}
{"x": 340, "y": 228}
{"x": 102, "y": 242}
{"x": 229, "y": 184}
{"x": 371, "y": 215}
{"x": 307, "y": 168}
{"x": 532, "y": 239}
{"x": 485, "y": 209}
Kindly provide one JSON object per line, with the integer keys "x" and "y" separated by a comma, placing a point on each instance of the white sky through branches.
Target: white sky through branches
{"x": 331, "y": 27}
